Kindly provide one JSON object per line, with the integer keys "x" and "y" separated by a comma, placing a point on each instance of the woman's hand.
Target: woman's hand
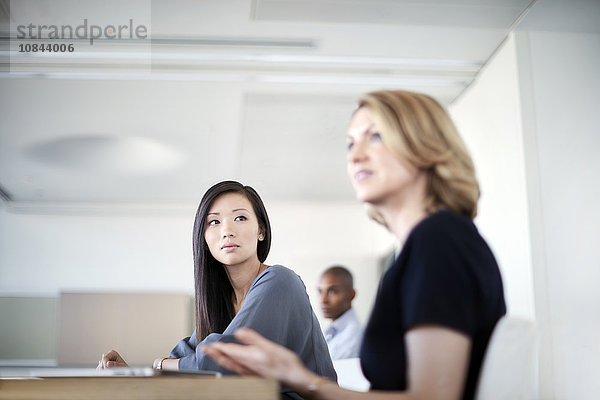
{"x": 110, "y": 360}
{"x": 261, "y": 357}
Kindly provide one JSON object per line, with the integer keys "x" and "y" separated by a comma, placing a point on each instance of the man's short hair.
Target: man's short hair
{"x": 343, "y": 273}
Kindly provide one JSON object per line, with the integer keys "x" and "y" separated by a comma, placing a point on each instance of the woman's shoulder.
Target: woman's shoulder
{"x": 280, "y": 274}
{"x": 278, "y": 281}
{"x": 443, "y": 235}
{"x": 444, "y": 222}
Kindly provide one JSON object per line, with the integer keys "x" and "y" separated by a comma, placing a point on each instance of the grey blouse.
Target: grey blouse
{"x": 277, "y": 307}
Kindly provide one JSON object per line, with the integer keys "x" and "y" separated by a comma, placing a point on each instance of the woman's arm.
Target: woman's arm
{"x": 437, "y": 357}
{"x": 113, "y": 359}
{"x": 277, "y": 306}
{"x": 438, "y": 360}
{"x": 168, "y": 363}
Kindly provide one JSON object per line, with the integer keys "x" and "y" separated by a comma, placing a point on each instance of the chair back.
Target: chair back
{"x": 509, "y": 370}
{"x": 349, "y": 374}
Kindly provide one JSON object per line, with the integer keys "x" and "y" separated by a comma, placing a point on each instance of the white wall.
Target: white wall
{"x": 101, "y": 248}
{"x": 560, "y": 95}
{"x": 488, "y": 117}
{"x": 532, "y": 122}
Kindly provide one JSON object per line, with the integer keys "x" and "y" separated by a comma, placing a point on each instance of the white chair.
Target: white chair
{"x": 350, "y": 375}
{"x": 509, "y": 370}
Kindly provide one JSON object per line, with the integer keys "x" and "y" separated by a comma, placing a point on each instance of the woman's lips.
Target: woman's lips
{"x": 229, "y": 247}
{"x": 362, "y": 175}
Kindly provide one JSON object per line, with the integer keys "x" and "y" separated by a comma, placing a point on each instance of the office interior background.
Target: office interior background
{"x": 105, "y": 153}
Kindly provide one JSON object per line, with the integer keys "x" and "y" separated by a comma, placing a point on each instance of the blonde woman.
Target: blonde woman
{"x": 440, "y": 300}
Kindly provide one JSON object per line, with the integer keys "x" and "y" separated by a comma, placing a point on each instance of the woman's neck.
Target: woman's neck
{"x": 401, "y": 222}
{"x": 241, "y": 278}
{"x": 402, "y": 212}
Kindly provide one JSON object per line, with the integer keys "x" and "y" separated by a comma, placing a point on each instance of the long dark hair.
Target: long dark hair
{"x": 214, "y": 306}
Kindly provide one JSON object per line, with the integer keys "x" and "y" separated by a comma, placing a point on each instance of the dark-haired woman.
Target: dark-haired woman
{"x": 234, "y": 288}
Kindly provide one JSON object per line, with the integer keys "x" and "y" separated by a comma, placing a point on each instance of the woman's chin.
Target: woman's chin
{"x": 360, "y": 195}
{"x": 365, "y": 197}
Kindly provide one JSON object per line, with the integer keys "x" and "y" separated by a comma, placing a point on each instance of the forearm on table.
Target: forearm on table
{"x": 171, "y": 364}
{"x": 314, "y": 387}
{"x": 329, "y": 390}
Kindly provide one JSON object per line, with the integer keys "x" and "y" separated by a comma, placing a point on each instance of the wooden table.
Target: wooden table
{"x": 147, "y": 388}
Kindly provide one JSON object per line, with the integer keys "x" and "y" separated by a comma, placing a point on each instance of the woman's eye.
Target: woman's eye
{"x": 241, "y": 218}
{"x": 376, "y": 137}
{"x": 349, "y": 145}
{"x": 213, "y": 222}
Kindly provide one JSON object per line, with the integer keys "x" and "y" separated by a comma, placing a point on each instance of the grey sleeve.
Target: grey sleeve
{"x": 276, "y": 306}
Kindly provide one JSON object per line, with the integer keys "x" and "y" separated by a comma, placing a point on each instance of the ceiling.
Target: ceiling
{"x": 260, "y": 91}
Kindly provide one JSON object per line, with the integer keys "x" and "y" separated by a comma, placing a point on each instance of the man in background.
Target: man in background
{"x": 336, "y": 292}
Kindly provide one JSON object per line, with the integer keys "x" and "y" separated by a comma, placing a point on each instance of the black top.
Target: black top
{"x": 446, "y": 275}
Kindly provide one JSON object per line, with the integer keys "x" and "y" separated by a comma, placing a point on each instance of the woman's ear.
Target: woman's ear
{"x": 261, "y": 237}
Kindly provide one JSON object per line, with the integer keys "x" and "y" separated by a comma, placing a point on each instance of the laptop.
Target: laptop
{"x": 26, "y": 373}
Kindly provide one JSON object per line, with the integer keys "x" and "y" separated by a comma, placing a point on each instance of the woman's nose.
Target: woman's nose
{"x": 227, "y": 230}
{"x": 356, "y": 152}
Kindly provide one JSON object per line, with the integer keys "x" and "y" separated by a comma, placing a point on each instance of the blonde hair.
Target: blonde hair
{"x": 418, "y": 129}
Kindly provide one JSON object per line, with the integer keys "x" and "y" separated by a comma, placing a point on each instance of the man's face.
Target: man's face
{"x": 335, "y": 296}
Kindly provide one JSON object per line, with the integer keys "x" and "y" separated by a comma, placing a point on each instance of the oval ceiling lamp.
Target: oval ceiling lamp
{"x": 107, "y": 153}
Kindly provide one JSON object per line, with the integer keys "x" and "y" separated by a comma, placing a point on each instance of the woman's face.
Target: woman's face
{"x": 232, "y": 231}
{"x": 376, "y": 173}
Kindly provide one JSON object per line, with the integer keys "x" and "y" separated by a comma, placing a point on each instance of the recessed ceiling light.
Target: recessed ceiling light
{"x": 106, "y": 153}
